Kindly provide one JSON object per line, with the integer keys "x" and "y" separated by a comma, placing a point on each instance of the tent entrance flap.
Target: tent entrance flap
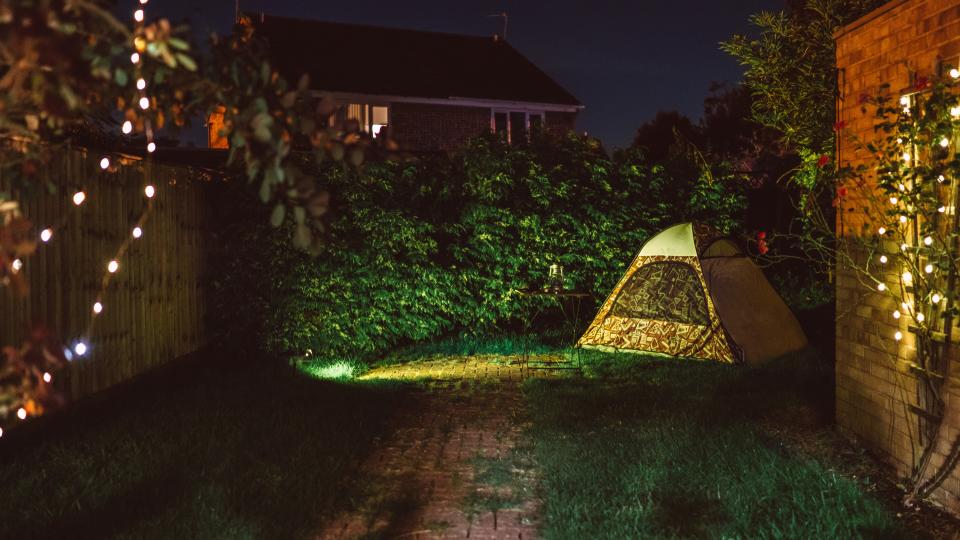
{"x": 665, "y": 290}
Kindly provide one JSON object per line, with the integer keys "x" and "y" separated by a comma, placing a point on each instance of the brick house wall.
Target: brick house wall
{"x": 436, "y": 127}
{"x": 894, "y": 44}
{"x": 427, "y": 127}
{"x": 560, "y": 122}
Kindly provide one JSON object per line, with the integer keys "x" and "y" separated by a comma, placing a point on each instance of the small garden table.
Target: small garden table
{"x": 569, "y": 302}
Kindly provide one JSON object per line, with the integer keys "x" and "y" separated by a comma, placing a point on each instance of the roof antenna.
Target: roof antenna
{"x": 503, "y": 15}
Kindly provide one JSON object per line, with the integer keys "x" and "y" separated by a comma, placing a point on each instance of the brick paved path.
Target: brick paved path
{"x": 456, "y": 465}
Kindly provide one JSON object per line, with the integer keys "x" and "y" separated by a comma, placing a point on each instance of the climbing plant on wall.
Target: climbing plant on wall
{"x": 906, "y": 250}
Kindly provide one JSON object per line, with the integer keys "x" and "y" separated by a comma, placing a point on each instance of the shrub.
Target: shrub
{"x": 422, "y": 248}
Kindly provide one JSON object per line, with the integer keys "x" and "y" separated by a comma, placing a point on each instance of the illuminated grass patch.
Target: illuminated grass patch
{"x": 335, "y": 371}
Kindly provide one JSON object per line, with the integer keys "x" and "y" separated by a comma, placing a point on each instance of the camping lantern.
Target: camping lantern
{"x": 555, "y": 277}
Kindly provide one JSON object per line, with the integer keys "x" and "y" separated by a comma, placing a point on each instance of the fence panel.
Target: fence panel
{"x": 153, "y": 308}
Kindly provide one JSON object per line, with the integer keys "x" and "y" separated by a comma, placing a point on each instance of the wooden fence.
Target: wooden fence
{"x": 153, "y": 308}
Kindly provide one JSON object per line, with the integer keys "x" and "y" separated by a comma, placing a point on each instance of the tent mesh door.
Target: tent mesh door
{"x": 666, "y": 291}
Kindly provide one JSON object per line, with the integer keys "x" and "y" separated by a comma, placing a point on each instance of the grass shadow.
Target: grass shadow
{"x": 225, "y": 449}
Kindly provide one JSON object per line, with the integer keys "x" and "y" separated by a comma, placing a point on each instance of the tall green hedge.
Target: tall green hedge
{"x": 424, "y": 247}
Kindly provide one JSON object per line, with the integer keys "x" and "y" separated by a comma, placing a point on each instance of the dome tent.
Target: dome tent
{"x": 691, "y": 292}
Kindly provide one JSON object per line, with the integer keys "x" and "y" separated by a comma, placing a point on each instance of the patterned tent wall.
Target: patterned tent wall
{"x": 154, "y": 306}
{"x": 698, "y": 334}
{"x": 662, "y": 303}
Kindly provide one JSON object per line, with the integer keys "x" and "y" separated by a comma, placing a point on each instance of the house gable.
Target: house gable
{"x": 430, "y": 91}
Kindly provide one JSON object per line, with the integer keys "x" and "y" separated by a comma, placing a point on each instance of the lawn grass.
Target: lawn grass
{"x": 638, "y": 447}
{"x": 646, "y": 447}
{"x": 229, "y": 450}
{"x": 469, "y": 345}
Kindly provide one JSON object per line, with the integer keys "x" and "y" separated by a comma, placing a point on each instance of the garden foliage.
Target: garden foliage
{"x": 435, "y": 245}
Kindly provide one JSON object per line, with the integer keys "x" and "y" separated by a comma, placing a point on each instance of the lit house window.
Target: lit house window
{"x": 378, "y": 120}
{"x": 516, "y": 126}
{"x": 373, "y": 119}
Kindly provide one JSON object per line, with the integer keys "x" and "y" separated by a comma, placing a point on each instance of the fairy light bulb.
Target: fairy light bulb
{"x": 141, "y": 84}
{"x": 137, "y": 232}
{"x": 127, "y": 127}
{"x": 905, "y": 100}
{"x": 105, "y": 163}
{"x": 46, "y": 235}
{"x": 882, "y": 231}
{"x": 920, "y": 317}
{"x": 151, "y": 146}
{"x": 907, "y": 277}
{"x": 883, "y": 259}
{"x": 903, "y": 247}
{"x": 113, "y": 266}
{"x": 903, "y": 219}
{"x": 935, "y": 298}
{"x": 79, "y": 197}
{"x": 893, "y": 200}
{"x": 149, "y": 191}
{"x": 906, "y": 156}
{"x": 47, "y": 377}
{"x": 940, "y": 179}
{"x": 944, "y": 142}
{"x": 955, "y": 73}
{"x": 881, "y": 287}
{"x": 22, "y": 413}
{"x": 905, "y": 306}
{"x": 928, "y": 241}
{"x": 928, "y": 268}
{"x": 942, "y": 209}
{"x": 80, "y": 348}
{"x": 135, "y": 58}
{"x": 16, "y": 265}
{"x": 902, "y": 187}
{"x": 955, "y": 112}
{"x": 138, "y": 15}
{"x": 896, "y": 314}
{"x": 144, "y": 103}
{"x": 898, "y": 336}
{"x": 97, "y": 307}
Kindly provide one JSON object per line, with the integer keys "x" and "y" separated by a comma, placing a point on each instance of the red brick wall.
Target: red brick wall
{"x": 901, "y": 40}
{"x": 422, "y": 127}
{"x": 560, "y": 122}
{"x": 436, "y": 127}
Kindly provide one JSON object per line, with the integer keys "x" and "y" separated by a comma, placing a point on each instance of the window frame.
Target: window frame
{"x": 527, "y": 113}
{"x": 367, "y": 125}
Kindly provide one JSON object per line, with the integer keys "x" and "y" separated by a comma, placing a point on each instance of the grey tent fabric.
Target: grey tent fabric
{"x": 752, "y": 313}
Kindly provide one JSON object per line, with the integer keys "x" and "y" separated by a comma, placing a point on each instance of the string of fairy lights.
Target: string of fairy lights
{"x": 81, "y": 346}
{"x": 925, "y": 288}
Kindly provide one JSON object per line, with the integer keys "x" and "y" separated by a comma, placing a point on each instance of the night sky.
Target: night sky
{"x": 623, "y": 59}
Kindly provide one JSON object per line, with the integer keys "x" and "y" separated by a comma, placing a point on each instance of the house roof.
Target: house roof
{"x": 373, "y": 60}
